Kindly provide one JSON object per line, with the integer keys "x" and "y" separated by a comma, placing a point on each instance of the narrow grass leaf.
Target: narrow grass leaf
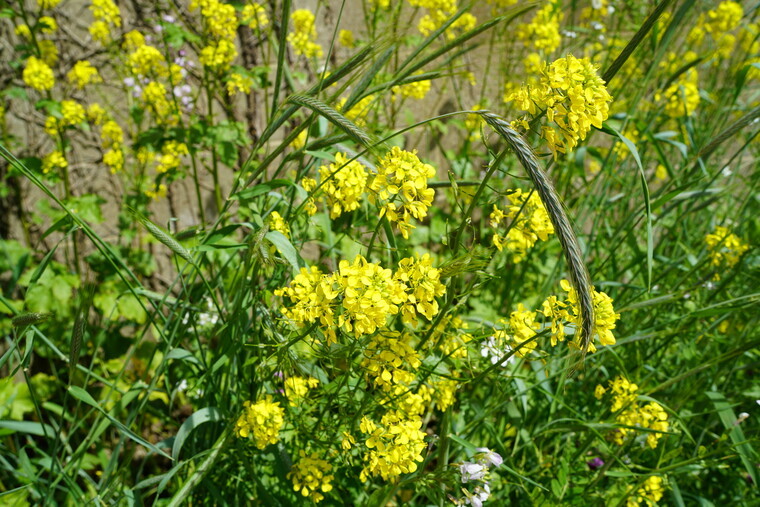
{"x": 202, "y": 416}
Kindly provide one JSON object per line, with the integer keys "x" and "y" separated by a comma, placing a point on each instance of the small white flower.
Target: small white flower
{"x": 472, "y": 472}
{"x": 709, "y": 285}
{"x": 569, "y": 34}
{"x": 182, "y": 386}
{"x": 726, "y": 172}
{"x": 742, "y": 417}
{"x": 490, "y": 457}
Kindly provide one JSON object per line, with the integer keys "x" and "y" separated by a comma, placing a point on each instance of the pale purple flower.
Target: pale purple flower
{"x": 472, "y": 471}
{"x": 595, "y": 463}
{"x": 490, "y": 457}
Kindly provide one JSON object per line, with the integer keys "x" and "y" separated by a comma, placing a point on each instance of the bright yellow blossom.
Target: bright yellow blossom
{"x": 38, "y": 75}
{"x": 311, "y": 476}
{"x": 82, "y": 74}
{"x": 262, "y": 420}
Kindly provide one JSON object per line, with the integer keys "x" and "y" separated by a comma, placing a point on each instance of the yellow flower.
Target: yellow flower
{"x": 296, "y": 388}
{"x": 423, "y": 285}
{"x": 529, "y": 223}
{"x": 111, "y": 134}
{"x": 147, "y": 60}
{"x": 604, "y": 314}
{"x": 542, "y": 33}
{"x": 314, "y": 296}
{"x": 38, "y": 75}
{"x": 238, "y": 83}
{"x": 370, "y": 295}
{"x": 599, "y": 392}
{"x": 218, "y": 56}
{"x": 724, "y": 248}
{"x": 574, "y": 98}
{"x": 277, "y": 223}
{"x": 48, "y": 25}
{"x": 133, "y": 39}
{"x": 114, "y": 159}
{"x": 100, "y": 32}
{"x": 48, "y": 4}
{"x": 170, "y": 158}
{"x": 82, "y": 74}
{"x": 310, "y": 475}
{"x": 394, "y": 447}
{"x": 390, "y": 359}
{"x": 219, "y": 18}
{"x": 628, "y": 412}
{"x": 401, "y": 182}
{"x": 416, "y": 90}
{"x": 157, "y": 192}
{"x": 304, "y": 35}
{"x": 346, "y": 38}
{"x": 262, "y": 420}
{"x": 255, "y": 16}
{"x": 23, "y": 31}
{"x": 72, "y": 113}
{"x": 54, "y": 160}
{"x": 96, "y": 114}
{"x": 649, "y": 493}
{"x": 343, "y": 184}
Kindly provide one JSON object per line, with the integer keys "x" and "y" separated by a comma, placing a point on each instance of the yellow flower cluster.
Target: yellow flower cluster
{"x": 574, "y": 98}
{"x": 682, "y": 96}
{"x": 54, "y": 160}
{"x": 346, "y": 38}
{"x": 304, "y": 34}
{"x": 438, "y": 12}
{"x": 170, "y": 158}
{"x": 48, "y": 4}
{"x": 154, "y": 98}
{"x": 423, "y": 285}
{"x": 630, "y": 413}
{"x": 529, "y": 223}
{"x": 107, "y": 16}
{"x": 311, "y": 476}
{"x": 38, "y": 75}
{"x": 343, "y": 184}
{"x": 561, "y": 312}
{"x": 263, "y": 420}
{"x": 648, "y": 493}
{"x": 238, "y": 83}
{"x": 112, "y": 139}
{"x": 518, "y": 331}
{"x": 220, "y": 24}
{"x": 370, "y": 295}
{"x": 416, "y": 90}
{"x": 218, "y": 56}
{"x": 48, "y": 25}
{"x": 146, "y": 60}
{"x": 133, "y": 39}
{"x": 387, "y": 358}
{"x": 542, "y": 33}
{"x": 296, "y": 388}
{"x": 401, "y": 175}
{"x": 358, "y": 111}
{"x": 277, "y": 223}
{"x": 82, "y": 74}
{"x": 367, "y": 292}
{"x": 394, "y": 447}
{"x": 255, "y": 16}
{"x": 724, "y": 248}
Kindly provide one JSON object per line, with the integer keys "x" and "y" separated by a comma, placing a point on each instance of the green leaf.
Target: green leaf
{"x": 647, "y": 203}
{"x": 33, "y": 428}
{"x": 202, "y": 416}
{"x": 85, "y": 397}
{"x": 285, "y": 247}
{"x": 741, "y": 444}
